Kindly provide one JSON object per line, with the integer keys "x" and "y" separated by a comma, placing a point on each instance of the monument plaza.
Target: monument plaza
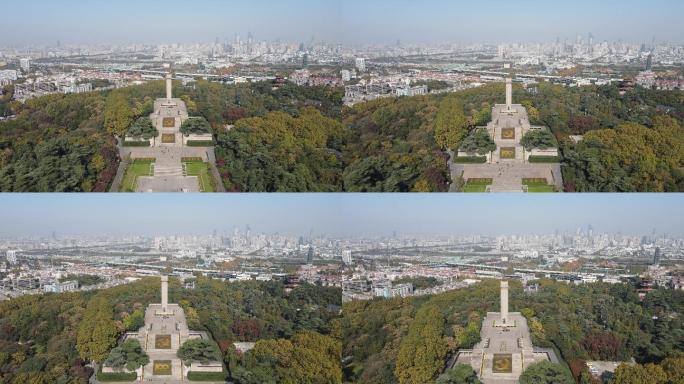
{"x": 170, "y": 148}
{"x": 165, "y": 330}
{"x": 505, "y": 349}
{"x": 509, "y": 164}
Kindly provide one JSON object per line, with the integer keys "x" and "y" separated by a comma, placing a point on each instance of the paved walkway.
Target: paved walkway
{"x": 218, "y": 181}
{"x": 120, "y": 172}
{"x": 507, "y": 175}
{"x": 169, "y": 175}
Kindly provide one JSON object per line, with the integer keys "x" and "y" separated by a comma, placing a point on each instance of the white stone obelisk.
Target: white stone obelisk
{"x": 164, "y": 293}
{"x": 169, "y": 85}
{"x": 509, "y": 93}
{"x": 504, "y": 303}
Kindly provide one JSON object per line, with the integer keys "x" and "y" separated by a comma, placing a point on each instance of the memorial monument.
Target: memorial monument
{"x": 505, "y": 349}
{"x": 510, "y": 163}
{"x": 165, "y": 330}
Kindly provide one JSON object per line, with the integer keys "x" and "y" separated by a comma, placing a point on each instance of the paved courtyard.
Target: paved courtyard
{"x": 168, "y": 168}
{"x": 508, "y": 164}
{"x": 507, "y": 176}
{"x": 505, "y": 349}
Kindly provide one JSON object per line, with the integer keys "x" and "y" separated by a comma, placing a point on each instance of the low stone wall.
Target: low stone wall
{"x": 194, "y": 137}
{"x": 466, "y": 154}
{"x": 543, "y": 152}
{"x": 129, "y": 139}
{"x": 211, "y": 367}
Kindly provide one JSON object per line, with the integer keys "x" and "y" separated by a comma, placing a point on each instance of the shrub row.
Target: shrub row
{"x": 116, "y": 376}
{"x": 136, "y": 144}
{"x": 544, "y": 159}
{"x": 470, "y": 160}
{"x": 200, "y": 143}
{"x": 535, "y": 181}
{"x": 192, "y": 159}
{"x": 206, "y": 376}
{"x": 480, "y": 181}
{"x": 144, "y": 160}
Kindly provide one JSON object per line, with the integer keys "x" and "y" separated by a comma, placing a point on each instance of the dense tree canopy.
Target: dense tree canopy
{"x": 546, "y": 372}
{"x": 386, "y": 341}
{"x": 393, "y": 148}
{"x": 129, "y": 355}
{"x": 57, "y": 144}
{"x": 142, "y": 128}
{"x": 460, "y": 374}
{"x": 479, "y": 142}
{"x": 49, "y": 338}
{"x": 198, "y": 351}
{"x": 629, "y": 158}
{"x": 292, "y": 138}
{"x": 282, "y": 153}
{"x": 422, "y": 352}
{"x": 195, "y": 125}
{"x": 308, "y": 357}
{"x": 538, "y": 138}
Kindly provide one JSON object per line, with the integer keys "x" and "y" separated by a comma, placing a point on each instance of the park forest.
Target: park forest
{"x": 294, "y": 139}
{"x": 410, "y": 340}
{"x": 50, "y": 339}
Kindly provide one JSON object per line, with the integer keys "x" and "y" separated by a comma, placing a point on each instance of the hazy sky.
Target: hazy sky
{"x": 346, "y": 21}
{"x": 338, "y": 214}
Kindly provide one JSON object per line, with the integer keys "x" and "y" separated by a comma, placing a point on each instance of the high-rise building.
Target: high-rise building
{"x": 361, "y": 64}
{"x": 11, "y": 256}
{"x": 656, "y": 256}
{"x": 310, "y": 255}
{"x": 159, "y": 243}
{"x": 347, "y": 257}
{"x": 25, "y": 64}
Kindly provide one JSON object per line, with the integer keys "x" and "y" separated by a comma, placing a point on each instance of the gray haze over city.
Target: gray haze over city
{"x": 347, "y": 22}
{"x": 339, "y": 215}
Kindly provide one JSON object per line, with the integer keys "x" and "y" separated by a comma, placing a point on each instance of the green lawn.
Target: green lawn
{"x": 135, "y": 169}
{"x": 201, "y": 170}
{"x": 475, "y": 188}
{"x": 540, "y": 188}
{"x": 477, "y": 185}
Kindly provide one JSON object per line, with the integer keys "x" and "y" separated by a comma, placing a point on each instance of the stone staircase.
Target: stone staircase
{"x": 168, "y": 170}
{"x": 502, "y": 185}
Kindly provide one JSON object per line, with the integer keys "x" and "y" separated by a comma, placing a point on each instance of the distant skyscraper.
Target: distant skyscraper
{"x": 158, "y": 243}
{"x": 361, "y": 64}
{"x": 649, "y": 62}
{"x": 310, "y": 255}
{"x": 347, "y": 257}
{"x": 25, "y": 64}
{"x": 11, "y": 256}
{"x": 656, "y": 256}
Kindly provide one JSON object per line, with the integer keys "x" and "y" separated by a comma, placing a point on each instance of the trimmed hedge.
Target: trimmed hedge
{"x": 479, "y": 182}
{"x": 144, "y": 160}
{"x": 116, "y": 376}
{"x": 200, "y": 143}
{"x": 206, "y": 376}
{"x": 544, "y": 159}
{"x": 136, "y": 144}
{"x": 196, "y": 125}
{"x": 192, "y": 159}
{"x": 143, "y": 127}
{"x": 470, "y": 160}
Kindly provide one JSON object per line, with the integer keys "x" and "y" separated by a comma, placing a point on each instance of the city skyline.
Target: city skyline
{"x": 338, "y": 215}
{"x": 349, "y": 22}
